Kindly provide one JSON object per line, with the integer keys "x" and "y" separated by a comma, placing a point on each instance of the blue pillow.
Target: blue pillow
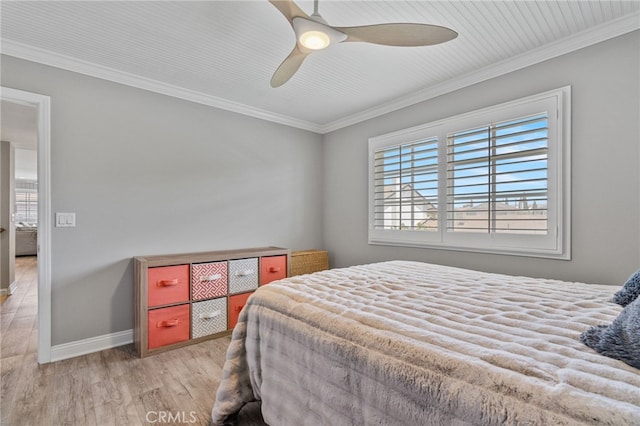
{"x": 620, "y": 339}
{"x": 629, "y": 291}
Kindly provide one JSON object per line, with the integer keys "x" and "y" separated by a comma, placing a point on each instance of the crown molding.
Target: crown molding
{"x": 569, "y": 44}
{"x": 561, "y": 47}
{"x": 47, "y": 57}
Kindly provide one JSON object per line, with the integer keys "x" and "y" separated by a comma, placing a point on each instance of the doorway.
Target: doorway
{"x": 18, "y": 100}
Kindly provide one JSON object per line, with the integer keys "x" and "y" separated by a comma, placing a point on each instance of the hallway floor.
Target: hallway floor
{"x": 20, "y": 310}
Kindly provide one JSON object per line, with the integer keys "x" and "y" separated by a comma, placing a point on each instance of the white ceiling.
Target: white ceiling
{"x": 223, "y": 53}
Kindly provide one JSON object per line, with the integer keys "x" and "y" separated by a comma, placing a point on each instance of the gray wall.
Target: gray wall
{"x": 149, "y": 174}
{"x": 7, "y": 203}
{"x": 605, "y": 179}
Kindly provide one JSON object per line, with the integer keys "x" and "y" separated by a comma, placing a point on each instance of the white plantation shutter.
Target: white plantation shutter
{"x": 495, "y": 180}
{"x": 497, "y": 177}
{"x": 406, "y": 186}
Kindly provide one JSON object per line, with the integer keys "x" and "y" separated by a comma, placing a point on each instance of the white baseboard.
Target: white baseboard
{"x": 9, "y": 291}
{"x": 90, "y": 345}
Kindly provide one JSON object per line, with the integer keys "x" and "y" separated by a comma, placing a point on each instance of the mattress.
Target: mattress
{"x": 410, "y": 343}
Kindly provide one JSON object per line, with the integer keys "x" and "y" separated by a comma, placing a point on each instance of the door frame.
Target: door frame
{"x": 43, "y": 105}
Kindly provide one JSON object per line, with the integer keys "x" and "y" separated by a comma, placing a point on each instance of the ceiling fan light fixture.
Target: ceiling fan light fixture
{"x": 315, "y": 40}
{"x": 313, "y": 33}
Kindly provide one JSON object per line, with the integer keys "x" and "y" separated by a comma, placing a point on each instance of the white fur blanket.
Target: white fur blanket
{"x": 408, "y": 343}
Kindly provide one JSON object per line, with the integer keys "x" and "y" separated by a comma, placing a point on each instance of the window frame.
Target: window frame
{"x": 555, "y": 244}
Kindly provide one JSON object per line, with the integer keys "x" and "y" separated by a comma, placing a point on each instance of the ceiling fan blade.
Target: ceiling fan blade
{"x": 399, "y": 34}
{"x": 289, "y": 9}
{"x": 289, "y": 66}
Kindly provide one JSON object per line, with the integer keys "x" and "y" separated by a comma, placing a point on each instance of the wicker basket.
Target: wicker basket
{"x": 308, "y": 261}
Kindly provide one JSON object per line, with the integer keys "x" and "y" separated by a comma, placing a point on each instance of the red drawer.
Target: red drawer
{"x": 168, "y": 284}
{"x": 208, "y": 280}
{"x": 168, "y": 325}
{"x": 272, "y": 268}
{"x": 236, "y": 303}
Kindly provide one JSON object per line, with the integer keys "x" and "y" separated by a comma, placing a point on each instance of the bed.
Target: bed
{"x": 410, "y": 343}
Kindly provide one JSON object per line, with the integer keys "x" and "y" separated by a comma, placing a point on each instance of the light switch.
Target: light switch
{"x": 65, "y": 220}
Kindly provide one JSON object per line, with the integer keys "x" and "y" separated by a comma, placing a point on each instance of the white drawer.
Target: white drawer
{"x": 243, "y": 275}
{"x": 208, "y": 317}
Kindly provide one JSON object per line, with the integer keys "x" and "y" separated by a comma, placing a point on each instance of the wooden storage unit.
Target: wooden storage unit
{"x": 183, "y": 299}
{"x": 308, "y": 261}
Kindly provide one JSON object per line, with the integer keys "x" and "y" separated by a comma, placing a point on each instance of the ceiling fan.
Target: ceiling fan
{"x": 314, "y": 33}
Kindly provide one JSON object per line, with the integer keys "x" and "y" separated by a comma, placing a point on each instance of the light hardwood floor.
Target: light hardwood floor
{"x": 112, "y": 387}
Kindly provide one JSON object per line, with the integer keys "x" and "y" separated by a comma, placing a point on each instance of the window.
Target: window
{"x": 26, "y": 209}
{"x": 494, "y": 180}
{"x": 497, "y": 177}
{"x": 406, "y": 186}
